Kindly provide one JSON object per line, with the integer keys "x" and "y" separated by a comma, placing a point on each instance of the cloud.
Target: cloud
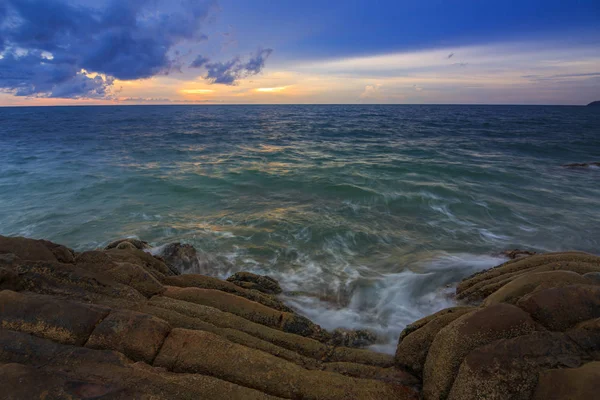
{"x": 371, "y": 91}
{"x": 229, "y": 72}
{"x": 48, "y": 45}
{"x": 199, "y": 62}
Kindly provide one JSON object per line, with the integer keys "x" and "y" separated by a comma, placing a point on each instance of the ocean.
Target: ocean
{"x": 366, "y": 214}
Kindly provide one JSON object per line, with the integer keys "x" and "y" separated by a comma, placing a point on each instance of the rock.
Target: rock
{"x": 528, "y": 283}
{"x": 36, "y": 368}
{"x": 9, "y": 279}
{"x": 200, "y": 352}
{"x": 518, "y": 253}
{"x": 208, "y": 282}
{"x": 35, "y": 250}
{"x": 47, "y": 317}
{"x": 70, "y": 281}
{"x": 184, "y": 259}
{"x": 508, "y": 369}
{"x": 561, "y": 308}
{"x": 127, "y": 244}
{"x": 302, "y": 345}
{"x": 587, "y": 337}
{"x": 593, "y": 277}
{"x": 482, "y": 284}
{"x": 594, "y": 104}
{"x": 261, "y": 283}
{"x": 361, "y": 356}
{"x": 454, "y": 342}
{"x": 415, "y": 340}
{"x": 353, "y": 337}
{"x": 562, "y": 384}
{"x": 138, "y": 336}
{"x": 392, "y": 375}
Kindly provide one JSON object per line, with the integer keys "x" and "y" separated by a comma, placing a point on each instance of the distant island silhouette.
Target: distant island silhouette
{"x": 594, "y": 104}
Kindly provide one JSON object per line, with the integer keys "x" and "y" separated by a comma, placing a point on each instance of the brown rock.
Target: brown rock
{"x": 561, "y": 308}
{"x": 70, "y": 281}
{"x": 569, "y": 384}
{"x": 482, "y": 284}
{"x": 508, "y": 369}
{"x": 518, "y": 253}
{"x": 531, "y": 282}
{"x": 137, "y": 335}
{"x": 587, "y": 336}
{"x": 47, "y": 317}
{"x": 35, "y": 250}
{"x": 128, "y": 243}
{"x": 302, "y": 345}
{"x": 353, "y": 337}
{"x": 360, "y": 356}
{"x": 69, "y": 372}
{"x": 206, "y": 353}
{"x": 208, "y": 282}
{"x": 413, "y": 346}
{"x": 9, "y": 279}
{"x": 454, "y": 342}
{"x": 183, "y": 258}
{"x": 392, "y": 375}
{"x": 261, "y": 283}
{"x": 593, "y": 277}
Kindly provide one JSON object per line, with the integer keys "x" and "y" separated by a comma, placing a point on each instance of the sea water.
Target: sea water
{"x": 367, "y": 215}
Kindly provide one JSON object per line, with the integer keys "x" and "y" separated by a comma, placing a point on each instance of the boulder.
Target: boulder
{"x": 200, "y": 352}
{"x": 35, "y": 250}
{"x": 127, "y": 244}
{"x": 508, "y": 369}
{"x": 593, "y": 277}
{"x": 561, "y": 308}
{"x": 416, "y": 338}
{"x": 261, "y": 283}
{"x": 527, "y": 283}
{"x": 565, "y": 384}
{"x": 9, "y": 279}
{"x": 48, "y": 317}
{"x": 454, "y": 342}
{"x": 518, "y": 253}
{"x": 183, "y": 258}
{"x": 138, "y": 336}
{"x": 353, "y": 337}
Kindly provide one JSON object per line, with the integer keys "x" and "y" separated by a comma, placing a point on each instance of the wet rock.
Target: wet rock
{"x": 416, "y": 339}
{"x": 128, "y": 243}
{"x": 353, "y": 337}
{"x": 261, "y": 283}
{"x": 561, "y": 308}
{"x": 184, "y": 259}
{"x": 518, "y": 253}
{"x": 208, "y": 282}
{"x": 454, "y": 342}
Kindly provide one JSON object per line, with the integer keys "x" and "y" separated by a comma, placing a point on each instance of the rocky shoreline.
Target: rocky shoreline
{"x": 121, "y": 323}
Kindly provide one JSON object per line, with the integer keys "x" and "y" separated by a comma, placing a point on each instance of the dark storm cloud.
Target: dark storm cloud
{"x": 46, "y": 44}
{"x": 227, "y": 73}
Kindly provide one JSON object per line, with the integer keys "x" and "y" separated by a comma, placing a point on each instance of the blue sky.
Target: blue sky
{"x": 235, "y": 51}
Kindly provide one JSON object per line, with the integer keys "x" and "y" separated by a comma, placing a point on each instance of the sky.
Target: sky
{"x": 80, "y": 52}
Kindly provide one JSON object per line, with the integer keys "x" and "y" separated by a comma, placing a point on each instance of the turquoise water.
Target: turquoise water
{"x": 369, "y": 210}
